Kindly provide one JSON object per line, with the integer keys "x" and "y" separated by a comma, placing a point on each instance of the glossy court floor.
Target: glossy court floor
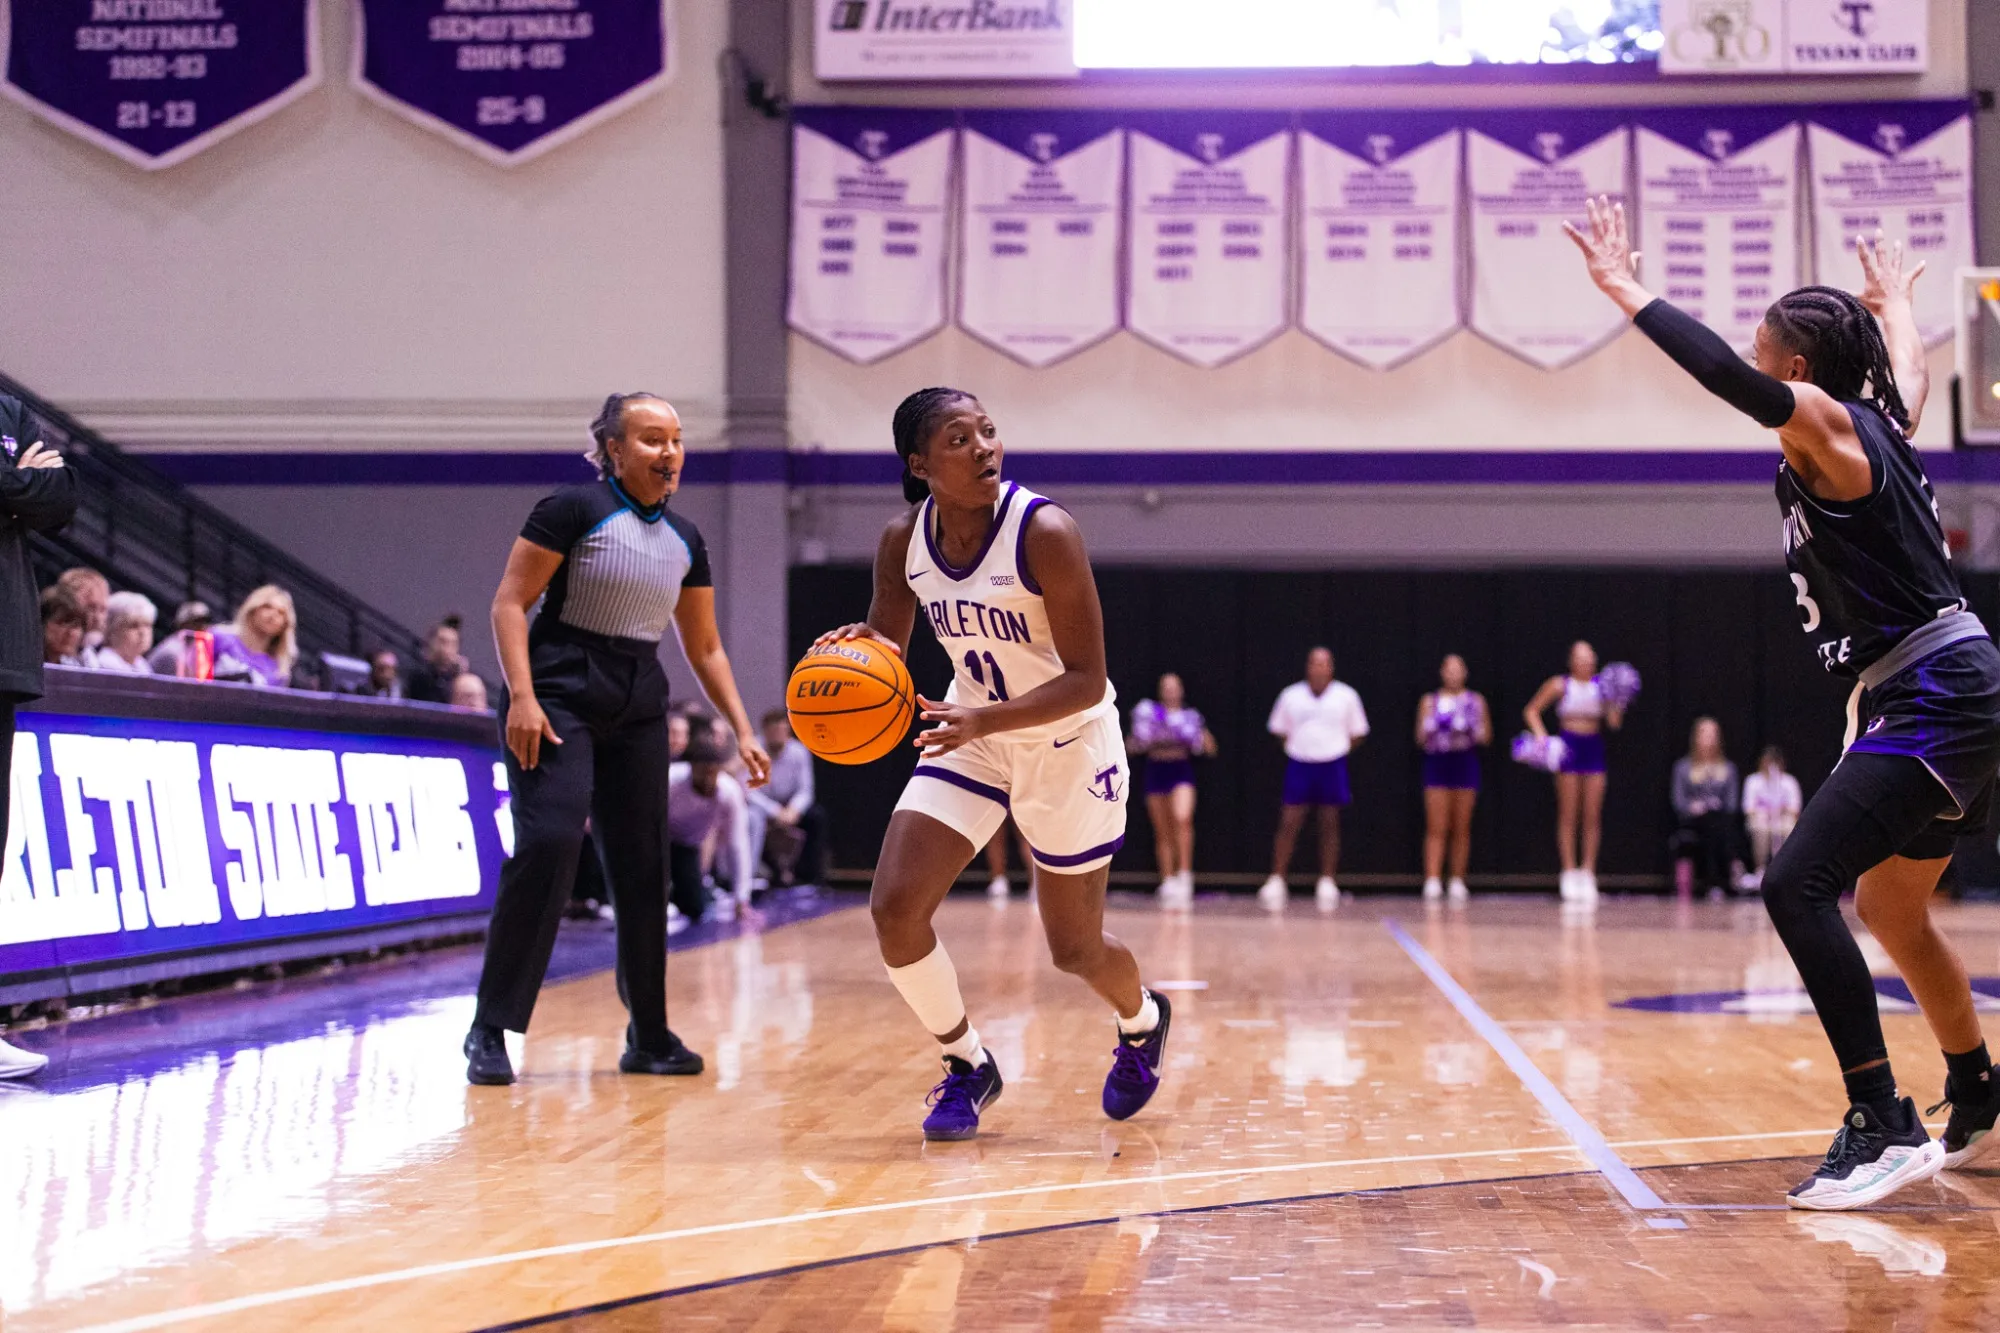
{"x": 1387, "y": 1117}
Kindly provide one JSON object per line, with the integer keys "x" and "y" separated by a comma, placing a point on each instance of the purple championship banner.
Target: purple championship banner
{"x": 511, "y": 79}
{"x": 157, "y": 81}
{"x": 133, "y": 838}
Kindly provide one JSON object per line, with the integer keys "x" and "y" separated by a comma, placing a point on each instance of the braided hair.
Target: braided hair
{"x": 609, "y": 425}
{"x": 916, "y": 417}
{"x": 1843, "y": 347}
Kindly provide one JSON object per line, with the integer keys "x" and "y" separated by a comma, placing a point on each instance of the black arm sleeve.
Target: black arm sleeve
{"x": 1702, "y": 353}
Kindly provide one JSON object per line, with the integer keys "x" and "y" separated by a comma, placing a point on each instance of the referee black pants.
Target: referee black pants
{"x": 609, "y": 709}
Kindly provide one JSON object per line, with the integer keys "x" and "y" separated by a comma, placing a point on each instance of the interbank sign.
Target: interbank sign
{"x": 894, "y": 40}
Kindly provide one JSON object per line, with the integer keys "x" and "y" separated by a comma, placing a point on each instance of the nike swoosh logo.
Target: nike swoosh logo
{"x": 1071, "y": 741}
{"x": 920, "y": 573}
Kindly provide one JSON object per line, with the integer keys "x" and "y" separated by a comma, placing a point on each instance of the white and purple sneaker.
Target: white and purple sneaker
{"x": 1869, "y": 1161}
{"x": 1135, "y": 1067}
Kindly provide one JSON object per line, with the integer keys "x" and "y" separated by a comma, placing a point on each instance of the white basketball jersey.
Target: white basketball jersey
{"x": 989, "y": 615}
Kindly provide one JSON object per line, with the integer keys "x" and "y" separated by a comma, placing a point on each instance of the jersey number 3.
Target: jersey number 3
{"x": 1806, "y": 603}
{"x": 996, "y": 690}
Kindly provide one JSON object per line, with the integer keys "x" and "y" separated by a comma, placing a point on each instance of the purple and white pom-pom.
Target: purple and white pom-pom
{"x": 1543, "y": 752}
{"x": 1618, "y": 683}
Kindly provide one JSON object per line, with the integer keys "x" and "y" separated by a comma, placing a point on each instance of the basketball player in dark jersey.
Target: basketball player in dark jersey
{"x": 1843, "y": 381}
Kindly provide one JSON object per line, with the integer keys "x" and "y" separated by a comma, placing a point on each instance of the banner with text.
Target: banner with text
{"x": 154, "y": 82}
{"x": 1528, "y": 172}
{"x": 511, "y": 81}
{"x": 869, "y": 193}
{"x": 1805, "y": 37}
{"x": 1905, "y": 167}
{"x": 903, "y": 40}
{"x": 1717, "y": 223}
{"x": 1210, "y": 206}
{"x": 1038, "y": 264}
{"x": 1380, "y": 243}
{"x": 129, "y": 837}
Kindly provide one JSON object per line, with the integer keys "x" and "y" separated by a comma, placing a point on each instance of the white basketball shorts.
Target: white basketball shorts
{"x": 1067, "y": 795}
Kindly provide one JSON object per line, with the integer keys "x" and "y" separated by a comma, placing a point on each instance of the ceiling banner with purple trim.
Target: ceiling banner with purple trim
{"x": 1718, "y": 216}
{"x": 511, "y": 80}
{"x": 1529, "y": 172}
{"x": 1210, "y": 207}
{"x": 1038, "y": 259}
{"x": 1905, "y": 167}
{"x": 870, "y": 187}
{"x": 1379, "y": 233}
{"x": 157, "y": 81}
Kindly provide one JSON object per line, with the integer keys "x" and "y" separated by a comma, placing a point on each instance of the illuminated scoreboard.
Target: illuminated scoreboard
{"x": 143, "y": 829}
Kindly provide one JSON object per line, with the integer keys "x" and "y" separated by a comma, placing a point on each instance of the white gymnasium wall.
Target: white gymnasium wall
{"x": 1292, "y": 393}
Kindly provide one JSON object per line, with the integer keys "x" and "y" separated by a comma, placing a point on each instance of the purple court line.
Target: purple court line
{"x": 1589, "y": 1142}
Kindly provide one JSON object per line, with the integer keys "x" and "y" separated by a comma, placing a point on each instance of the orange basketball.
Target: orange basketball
{"x": 851, "y": 702}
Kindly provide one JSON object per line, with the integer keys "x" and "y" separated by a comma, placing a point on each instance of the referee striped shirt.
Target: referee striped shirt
{"x": 624, "y": 564}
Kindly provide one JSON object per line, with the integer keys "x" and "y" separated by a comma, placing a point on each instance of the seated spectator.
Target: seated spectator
{"x": 90, "y": 591}
{"x": 385, "y": 676}
{"x": 1706, "y": 793}
{"x": 677, "y": 735}
{"x": 468, "y": 691}
{"x": 786, "y": 827}
{"x": 261, "y": 645}
{"x": 311, "y": 672}
{"x": 698, "y": 811}
{"x": 1771, "y": 803}
{"x": 128, "y": 635}
{"x": 731, "y": 856}
{"x": 63, "y": 624}
{"x": 172, "y": 657}
{"x": 430, "y": 679}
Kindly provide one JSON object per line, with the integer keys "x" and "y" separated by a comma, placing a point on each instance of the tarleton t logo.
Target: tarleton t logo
{"x": 1105, "y": 785}
{"x": 1549, "y": 145}
{"x": 1856, "y": 16}
{"x": 872, "y": 143}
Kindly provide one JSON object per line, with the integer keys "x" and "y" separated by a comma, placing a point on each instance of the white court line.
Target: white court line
{"x": 239, "y": 1304}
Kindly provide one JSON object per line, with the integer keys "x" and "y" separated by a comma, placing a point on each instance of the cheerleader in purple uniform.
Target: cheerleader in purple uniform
{"x": 1170, "y": 735}
{"x": 1583, "y": 712}
{"x": 1452, "y": 722}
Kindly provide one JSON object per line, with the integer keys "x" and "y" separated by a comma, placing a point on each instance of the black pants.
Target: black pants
{"x": 8, "y": 703}
{"x": 1713, "y": 842}
{"x": 1873, "y": 807}
{"x": 609, "y": 708}
{"x": 684, "y": 866}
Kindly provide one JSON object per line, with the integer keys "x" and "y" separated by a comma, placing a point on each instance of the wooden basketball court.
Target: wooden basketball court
{"x": 1386, "y": 1117}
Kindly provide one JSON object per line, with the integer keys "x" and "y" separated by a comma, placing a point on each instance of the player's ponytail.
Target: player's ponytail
{"x": 916, "y": 417}
{"x": 1843, "y": 345}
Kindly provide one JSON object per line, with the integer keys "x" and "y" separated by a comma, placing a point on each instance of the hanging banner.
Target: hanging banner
{"x": 1380, "y": 248}
{"x": 157, "y": 82}
{"x": 905, "y": 40}
{"x": 1038, "y": 264}
{"x": 1718, "y": 216}
{"x": 1857, "y": 36}
{"x": 868, "y": 226}
{"x": 1528, "y": 172}
{"x": 511, "y": 81}
{"x": 1210, "y": 200}
{"x": 1905, "y": 167}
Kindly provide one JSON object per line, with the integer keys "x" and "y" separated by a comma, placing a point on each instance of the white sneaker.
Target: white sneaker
{"x": 1457, "y": 891}
{"x": 1433, "y": 889}
{"x": 997, "y": 888}
{"x": 17, "y": 1063}
{"x": 1868, "y": 1162}
{"x": 676, "y": 920}
{"x": 1586, "y": 886}
{"x": 1567, "y": 886}
{"x": 1185, "y": 889}
{"x": 1273, "y": 894}
{"x": 1327, "y": 894}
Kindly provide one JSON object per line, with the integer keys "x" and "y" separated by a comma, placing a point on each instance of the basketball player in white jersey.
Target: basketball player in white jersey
{"x": 1029, "y": 725}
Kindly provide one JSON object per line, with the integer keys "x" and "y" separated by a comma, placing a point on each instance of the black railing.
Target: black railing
{"x": 147, "y": 532}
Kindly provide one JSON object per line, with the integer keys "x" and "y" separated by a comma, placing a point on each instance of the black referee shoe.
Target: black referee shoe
{"x": 675, "y": 1059}
{"x": 486, "y": 1061}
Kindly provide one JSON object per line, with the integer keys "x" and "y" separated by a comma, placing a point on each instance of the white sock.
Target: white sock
{"x": 930, "y": 987}
{"x": 967, "y": 1048}
{"x": 1145, "y": 1020}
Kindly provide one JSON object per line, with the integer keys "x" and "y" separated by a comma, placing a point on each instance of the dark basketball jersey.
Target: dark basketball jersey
{"x": 1868, "y": 572}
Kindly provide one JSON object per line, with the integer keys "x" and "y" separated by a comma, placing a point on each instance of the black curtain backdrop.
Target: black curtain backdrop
{"x": 1720, "y": 642}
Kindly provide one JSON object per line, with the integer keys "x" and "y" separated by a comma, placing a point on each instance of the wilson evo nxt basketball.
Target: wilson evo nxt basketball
{"x": 851, "y": 702}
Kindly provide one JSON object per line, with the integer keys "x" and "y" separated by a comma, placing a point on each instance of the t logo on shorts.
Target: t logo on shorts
{"x": 1104, "y": 785}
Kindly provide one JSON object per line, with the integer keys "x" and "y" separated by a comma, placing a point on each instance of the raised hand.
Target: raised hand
{"x": 1882, "y": 270}
{"x": 1607, "y": 249}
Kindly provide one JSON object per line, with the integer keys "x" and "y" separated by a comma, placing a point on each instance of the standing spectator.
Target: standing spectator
{"x": 172, "y": 657}
{"x": 468, "y": 691}
{"x": 1706, "y": 795}
{"x": 261, "y": 645}
{"x": 385, "y": 677}
{"x": 1320, "y": 720}
{"x": 128, "y": 635}
{"x": 63, "y": 624}
{"x": 787, "y": 828}
{"x": 37, "y": 494}
{"x": 91, "y": 592}
{"x": 1771, "y": 804}
{"x": 430, "y": 679}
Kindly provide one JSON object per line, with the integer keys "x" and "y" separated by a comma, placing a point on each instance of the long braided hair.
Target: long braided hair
{"x": 609, "y": 425}
{"x": 916, "y": 417}
{"x": 1843, "y": 346}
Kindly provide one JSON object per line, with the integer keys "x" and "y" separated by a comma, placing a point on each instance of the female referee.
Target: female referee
{"x": 1030, "y": 722}
{"x": 586, "y": 729}
{"x": 1843, "y": 382}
